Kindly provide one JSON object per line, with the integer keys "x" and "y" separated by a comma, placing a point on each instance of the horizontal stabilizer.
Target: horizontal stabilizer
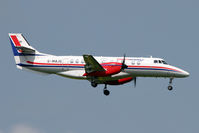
{"x": 26, "y": 50}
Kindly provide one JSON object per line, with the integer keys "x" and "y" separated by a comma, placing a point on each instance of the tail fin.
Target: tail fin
{"x": 19, "y": 45}
{"x": 21, "y": 48}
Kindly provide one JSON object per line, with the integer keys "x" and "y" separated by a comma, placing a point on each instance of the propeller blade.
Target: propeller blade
{"x": 135, "y": 81}
{"x": 123, "y": 63}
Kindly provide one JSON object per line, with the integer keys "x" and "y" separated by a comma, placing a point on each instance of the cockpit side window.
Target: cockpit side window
{"x": 160, "y": 61}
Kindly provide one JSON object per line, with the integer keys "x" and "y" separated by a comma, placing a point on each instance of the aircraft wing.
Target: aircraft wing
{"x": 91, "y": 64}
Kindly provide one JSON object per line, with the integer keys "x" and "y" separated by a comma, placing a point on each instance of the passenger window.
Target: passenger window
{"x": 71, "y": 61}
{"x": 77, "y": 61}
{"x": 155, "y": 61}
{"x": 82, "y": 61}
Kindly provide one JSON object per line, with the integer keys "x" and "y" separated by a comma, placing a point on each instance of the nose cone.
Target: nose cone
{"x": 182, "y": 73}
{"x": 179, "y": 73}
{"x": 185, "y": 74}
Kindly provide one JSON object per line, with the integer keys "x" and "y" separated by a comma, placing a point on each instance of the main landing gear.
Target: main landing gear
{"x": 106, "y": 92}
{"x": 170, "y": 87}
{"x": 93, "y": 84}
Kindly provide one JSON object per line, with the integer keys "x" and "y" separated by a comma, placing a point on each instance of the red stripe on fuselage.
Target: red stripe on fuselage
{"x": 56, "y": 64}
{"x": 155, "y": 67}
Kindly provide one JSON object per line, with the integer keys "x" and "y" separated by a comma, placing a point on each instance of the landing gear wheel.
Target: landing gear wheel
{"x": 93, "y": 84}
{"x": 170, "y": 87}
{"x": 106, "y": 92}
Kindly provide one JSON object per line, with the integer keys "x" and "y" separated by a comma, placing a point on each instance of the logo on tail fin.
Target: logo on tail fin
{"x": 15, "y": 42}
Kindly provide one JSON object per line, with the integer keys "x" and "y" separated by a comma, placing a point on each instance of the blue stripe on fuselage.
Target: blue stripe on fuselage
{"x": 152, "y": 69}
{"x": 27, "y": 65}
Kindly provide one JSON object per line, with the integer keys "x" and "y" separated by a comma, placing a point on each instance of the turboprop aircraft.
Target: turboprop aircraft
{"x": 97, "y": 70}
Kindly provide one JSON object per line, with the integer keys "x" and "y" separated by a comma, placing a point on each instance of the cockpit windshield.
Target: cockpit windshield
{"x": 164, "y": 62}
{"x": 160, "y": 61}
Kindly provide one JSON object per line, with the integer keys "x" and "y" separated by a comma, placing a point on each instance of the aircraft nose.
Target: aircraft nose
{"x": 181, "y": 73}
{"x": 185, "y": 74}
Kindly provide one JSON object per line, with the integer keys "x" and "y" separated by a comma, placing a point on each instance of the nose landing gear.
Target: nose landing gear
{"x": 106, "y": 92}
{"x": 170, "y": 87}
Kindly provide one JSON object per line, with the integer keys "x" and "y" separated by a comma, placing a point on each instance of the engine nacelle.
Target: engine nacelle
{"x": 119, "y": 81}
{"x": 111, "y": 69}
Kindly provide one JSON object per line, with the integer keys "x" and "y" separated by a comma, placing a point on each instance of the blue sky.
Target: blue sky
{"x": 32, "y": 103}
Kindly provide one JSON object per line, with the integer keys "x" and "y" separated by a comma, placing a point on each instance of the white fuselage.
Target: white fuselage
{"x": 73, "y": 66}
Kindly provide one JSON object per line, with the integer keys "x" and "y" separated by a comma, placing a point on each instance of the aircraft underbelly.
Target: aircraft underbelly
{"x": 46, "y": 69}
{"x": 74, "y": 74}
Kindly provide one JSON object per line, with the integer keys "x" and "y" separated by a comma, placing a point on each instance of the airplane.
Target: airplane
{"x": 97, "y": 70}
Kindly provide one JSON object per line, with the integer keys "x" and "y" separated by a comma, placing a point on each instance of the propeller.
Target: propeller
{"x": 123, "y": 63}
{"x": 135, "y": 81}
